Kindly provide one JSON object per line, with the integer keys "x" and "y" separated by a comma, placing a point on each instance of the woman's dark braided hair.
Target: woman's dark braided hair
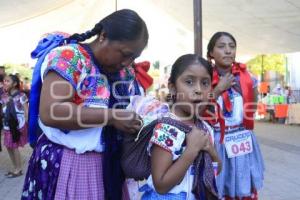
{"x": 122, "y": 25}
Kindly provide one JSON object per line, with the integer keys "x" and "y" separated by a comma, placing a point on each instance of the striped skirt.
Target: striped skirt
{"x": 8, "y": 141}
{"x": 55, "y": 172}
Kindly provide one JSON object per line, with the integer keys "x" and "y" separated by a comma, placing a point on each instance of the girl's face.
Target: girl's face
{"x": 8, "y": 84}
{"x": 224, "y": 52}
{"x": 116, "y": 55}
{"x": 192, "y": 89}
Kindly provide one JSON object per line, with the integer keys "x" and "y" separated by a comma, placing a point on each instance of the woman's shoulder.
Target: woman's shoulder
{"x": 69, "y": 52}
{"x": 68, "y": 59}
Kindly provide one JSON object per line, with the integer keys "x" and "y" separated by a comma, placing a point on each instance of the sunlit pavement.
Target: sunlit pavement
{"x": 279, "y": 143}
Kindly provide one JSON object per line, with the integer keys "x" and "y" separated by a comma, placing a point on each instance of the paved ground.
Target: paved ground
{"x": 280, "y": 145}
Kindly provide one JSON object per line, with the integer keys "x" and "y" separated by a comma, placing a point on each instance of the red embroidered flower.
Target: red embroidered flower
{"x": 67, "y": 54}
{"x": 77, "y": 100}
{"x": 76, "y": 76}
{"x": 84, "y": 93}
{"x": 103, "y": 92}
{"x": 84, "y": 52}
{"x": 169, "y": 142}
{"x": 158, "y": 126}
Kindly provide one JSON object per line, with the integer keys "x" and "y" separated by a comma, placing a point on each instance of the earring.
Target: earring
{"x": 101, "y": 39}
{"x": 211, "y": 95}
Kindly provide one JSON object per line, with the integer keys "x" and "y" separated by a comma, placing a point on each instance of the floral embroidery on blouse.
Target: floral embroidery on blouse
{"x": 169, "y": 138}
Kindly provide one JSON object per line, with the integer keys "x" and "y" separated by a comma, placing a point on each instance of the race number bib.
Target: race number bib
{"x": 238, "y": 144}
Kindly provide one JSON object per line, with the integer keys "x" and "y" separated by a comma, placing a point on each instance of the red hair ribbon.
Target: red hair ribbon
{"x": 142, "y": 76}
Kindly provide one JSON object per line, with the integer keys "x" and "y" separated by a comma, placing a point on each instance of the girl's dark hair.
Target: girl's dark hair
{"x": 213, "y": 40}
{"x": 122, "y": 25}
{"x": 1, "y": 78}
{"x": 186, "y": 60}
{"x": 16, "y": 80}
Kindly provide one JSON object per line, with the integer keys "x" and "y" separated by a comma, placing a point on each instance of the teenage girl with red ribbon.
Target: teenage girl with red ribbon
{"x": 235, "y": 90}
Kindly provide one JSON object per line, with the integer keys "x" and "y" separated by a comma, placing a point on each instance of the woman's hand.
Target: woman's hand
{"x": 224, "y": 84}
{"x": 126, "y": 121}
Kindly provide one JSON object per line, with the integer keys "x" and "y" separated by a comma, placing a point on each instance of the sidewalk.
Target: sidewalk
{"x": 11, "y": 188}
{"x": 280, "y": 145}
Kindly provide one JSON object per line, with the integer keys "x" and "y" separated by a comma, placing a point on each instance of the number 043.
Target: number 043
{"x": 243, "y": 147}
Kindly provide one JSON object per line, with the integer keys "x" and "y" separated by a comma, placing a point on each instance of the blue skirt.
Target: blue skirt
{"x": 150, "y": 194}
{"x": 240, "y": 175}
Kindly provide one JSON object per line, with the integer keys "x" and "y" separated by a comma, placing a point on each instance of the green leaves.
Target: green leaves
{"x": 273, "y": 62}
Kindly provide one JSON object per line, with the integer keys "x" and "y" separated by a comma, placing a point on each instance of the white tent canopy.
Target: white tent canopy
{"x": 260, "y": 26}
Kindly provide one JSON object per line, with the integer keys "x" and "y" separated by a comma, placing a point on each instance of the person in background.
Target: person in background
{"x": 1, "y": 116}
{"x": 235, "y": 90}
{"x": 21, "y": 81}
{"x": 14, "y": 114}
{"x": 2, "y": 70}
{"x": 26, "y": 86}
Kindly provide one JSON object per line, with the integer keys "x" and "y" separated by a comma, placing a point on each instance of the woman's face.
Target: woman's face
{"x": 116, "y": 55}
{"x": 224, "y": 52}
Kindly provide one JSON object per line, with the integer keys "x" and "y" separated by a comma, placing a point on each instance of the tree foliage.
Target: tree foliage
{"x": 23, "y": 69}
{"x": 272, "y": 62}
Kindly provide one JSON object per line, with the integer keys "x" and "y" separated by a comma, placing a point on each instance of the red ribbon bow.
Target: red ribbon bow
{"x": 141, "y": 74}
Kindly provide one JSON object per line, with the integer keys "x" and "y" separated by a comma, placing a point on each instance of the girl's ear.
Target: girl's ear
{"x": 172, "y": 89}
{"x": 171, "y": 97}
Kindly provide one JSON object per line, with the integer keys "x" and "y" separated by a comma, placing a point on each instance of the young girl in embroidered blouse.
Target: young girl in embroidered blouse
{"x": 173, "y": 151}
{"x": 235, "y": 91}
{"x": 14, "y": 107}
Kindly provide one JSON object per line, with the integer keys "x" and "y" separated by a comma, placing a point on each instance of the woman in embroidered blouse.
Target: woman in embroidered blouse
{"x": 172, "y": 151}
{"x": 236, "y": 92}
{"x": 81, "y": 112}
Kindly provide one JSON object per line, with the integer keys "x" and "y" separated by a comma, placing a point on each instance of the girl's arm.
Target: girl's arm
{"x": 166, "y": 173}
{"x": 58, "y": 110}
